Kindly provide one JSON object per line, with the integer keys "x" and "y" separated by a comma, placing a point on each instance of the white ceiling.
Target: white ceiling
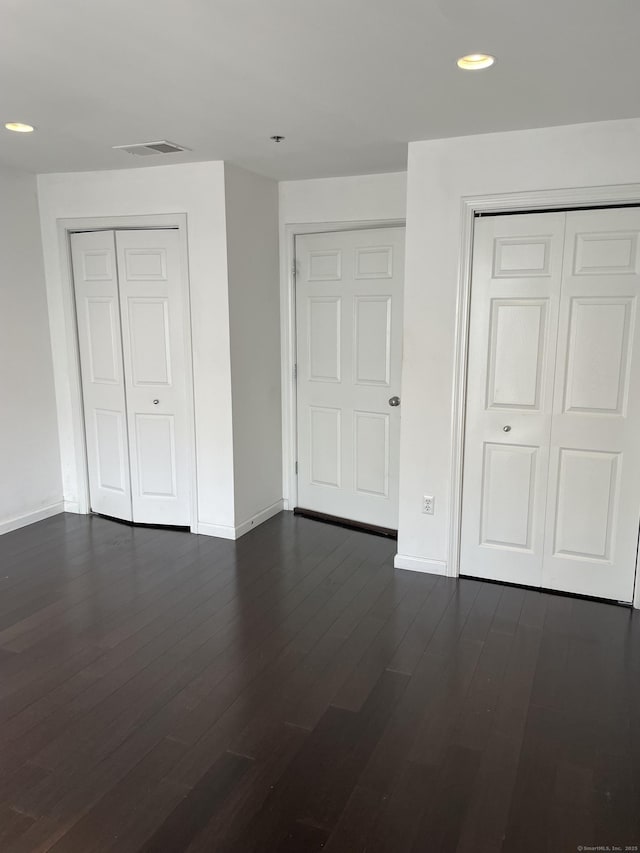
{"x": 348, "y": 82}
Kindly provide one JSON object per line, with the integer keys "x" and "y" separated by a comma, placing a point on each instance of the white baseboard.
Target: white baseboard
{"x": 263, "y": 515}
{"x": 74, "y": 507}
{"x": 222, "y": 531}
{"x": 31, "y": 517}
{"x": 225, "y": 531}
{"x": 420, "y": 564}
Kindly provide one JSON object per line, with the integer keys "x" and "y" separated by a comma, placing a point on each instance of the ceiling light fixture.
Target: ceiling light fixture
{"x": 19, "y": 127}
{"x": 475, "y": 61}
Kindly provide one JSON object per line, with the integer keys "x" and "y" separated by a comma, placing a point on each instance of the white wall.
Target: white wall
{"x": 440, "y": 173}
{"x": 197, "y": 190}
{"x": 252, "y": 253}
{"x": 358, "y": 199}
{"x": 353, "y": 199}
{"x": 30, "y": 483}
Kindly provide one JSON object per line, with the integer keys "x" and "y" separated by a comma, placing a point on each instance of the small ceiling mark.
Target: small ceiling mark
{"x": 277, "y": 138}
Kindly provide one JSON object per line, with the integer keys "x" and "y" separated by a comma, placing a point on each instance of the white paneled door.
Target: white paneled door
{"x": 349, "y": 352}
{"x": 131, "y": 323}
{"x": 593, "y": 494}
{"x": 551, "y": 493}
{"x": 95, "y": 276}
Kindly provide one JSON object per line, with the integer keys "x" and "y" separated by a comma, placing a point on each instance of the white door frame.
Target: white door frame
{"x": 574, "y": 198}
{"x": 288, "y": 338}
{"x": 65, "y": 228}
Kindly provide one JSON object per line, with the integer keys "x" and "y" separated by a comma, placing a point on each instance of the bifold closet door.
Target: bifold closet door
{"x": 551, "y": 485}
{"x": 155, "y": 364}
{"x": 593, "y": 494}
{"x": 131, "y": 323}
{"x": 516, "y": 275}
{"x": 95, "y": 276}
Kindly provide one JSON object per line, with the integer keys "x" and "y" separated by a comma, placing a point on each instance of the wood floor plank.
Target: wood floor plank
{"x": 301, "y": 674}
{"x": 103, "y": 823}
{"x": 316, "y": 788}
{"x": 13, "y": 825}
{"x": 484, "y": 824}
{"x": 250, "y": 795}
{"x": 191, "y": 816}
{"x": 396, "y": 824}
{"x": 353, "y": 830}
{"x": 399, "y": 616}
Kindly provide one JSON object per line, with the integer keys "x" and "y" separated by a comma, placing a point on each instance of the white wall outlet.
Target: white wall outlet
{"x": 427, "y": 504}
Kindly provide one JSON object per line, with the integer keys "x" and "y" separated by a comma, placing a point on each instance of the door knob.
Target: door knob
{"x": 506, "y": 428}
{"x": 394, "y": 401}
{"x": 155, "y": 402}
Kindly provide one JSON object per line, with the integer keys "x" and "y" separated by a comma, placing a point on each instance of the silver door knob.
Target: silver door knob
{"x": 394, "y": 401}
{"x": 506, "y": 428}
{"x": 155, "y": 402}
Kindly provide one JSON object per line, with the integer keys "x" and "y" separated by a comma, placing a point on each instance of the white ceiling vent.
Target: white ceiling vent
{"x": 142, "y": 149}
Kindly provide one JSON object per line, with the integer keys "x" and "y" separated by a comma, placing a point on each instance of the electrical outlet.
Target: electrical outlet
{"x": 427, "y": 504}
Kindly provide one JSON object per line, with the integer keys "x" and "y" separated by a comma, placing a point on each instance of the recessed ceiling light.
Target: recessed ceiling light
{"x": 476, "y": 61}
{"x": 19, "y": 127}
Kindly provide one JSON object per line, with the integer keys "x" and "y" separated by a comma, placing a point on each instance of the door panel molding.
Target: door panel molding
{"x": 611, "y": 366}
{"x": 589, "y": 537}
{"x": 506, "y": 521}
{"x": 528, "y": 342}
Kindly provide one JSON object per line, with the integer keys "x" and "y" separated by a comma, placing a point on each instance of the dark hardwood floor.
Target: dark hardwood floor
{"x": 292, "y": 693}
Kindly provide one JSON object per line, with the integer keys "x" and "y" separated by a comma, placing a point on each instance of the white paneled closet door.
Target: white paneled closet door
{"x": 151, "y": 353}
{"x": 593, "y": 495}
{"x": 349, "y": 355}
{"x": 95, "y": 276}
{"x": 517, "y": 270}
{"x": 551, "y": 491}
{"x": 151, "y": 304}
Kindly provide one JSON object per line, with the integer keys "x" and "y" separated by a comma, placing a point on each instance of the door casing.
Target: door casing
{"x": 66, "y": 227}
{"x": 525, "y": 202}
{"x": 289, "y": 338}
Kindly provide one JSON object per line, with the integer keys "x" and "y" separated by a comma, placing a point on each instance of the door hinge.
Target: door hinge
{"x": 295, "y": 371}
{"x": 294, "y": 269}
{"x": 296, "y": 467}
